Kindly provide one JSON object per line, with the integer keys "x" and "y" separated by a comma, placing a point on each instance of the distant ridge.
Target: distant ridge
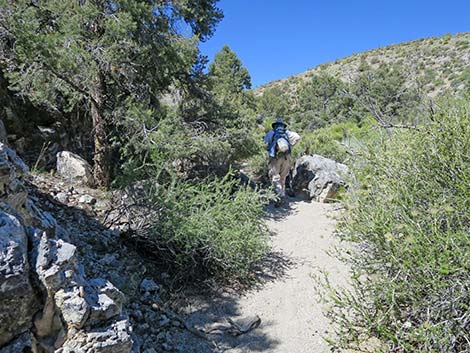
{"x": 442, "y": 63}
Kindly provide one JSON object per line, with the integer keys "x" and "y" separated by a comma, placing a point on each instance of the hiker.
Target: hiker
{"x": 279, "y": 143}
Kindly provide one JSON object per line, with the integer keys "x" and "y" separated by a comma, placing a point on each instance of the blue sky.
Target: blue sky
{"x": 278, "y": 38}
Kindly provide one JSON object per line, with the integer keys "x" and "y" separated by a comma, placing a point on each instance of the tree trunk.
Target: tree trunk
{"x": 102, "y": 154}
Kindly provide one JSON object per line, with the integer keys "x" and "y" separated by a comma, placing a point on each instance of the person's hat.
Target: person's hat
{"x": 279, "y": 122}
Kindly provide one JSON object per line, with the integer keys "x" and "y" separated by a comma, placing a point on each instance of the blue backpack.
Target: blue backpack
{"x": 280, "y": 138}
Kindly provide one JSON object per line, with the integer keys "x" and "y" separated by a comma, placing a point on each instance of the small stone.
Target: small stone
{"x": 87, "y": 199}
{"x": 164, "y": 321}
{"x": 148, "y": 285}
{"x": 137, "y": 315}
{"x": 62, "y": 197}
{"x": 150, "y": 350}
{"x": 144, "y": 326}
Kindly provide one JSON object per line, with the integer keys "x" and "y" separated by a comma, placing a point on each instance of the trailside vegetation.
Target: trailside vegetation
{"x": 109, "y": 59}
{"x": 132, "y": 71}
{"x": 214, "y": 228}
{"x": 408, "y": 213}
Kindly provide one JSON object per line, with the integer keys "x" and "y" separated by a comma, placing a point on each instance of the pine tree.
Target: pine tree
{"x": 229, "y": 81}
{"x": 227, "y": 75}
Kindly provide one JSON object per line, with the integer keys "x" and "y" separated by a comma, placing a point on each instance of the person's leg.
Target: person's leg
{"x": 274, "y": 175}
{"x": 284, "y": 172}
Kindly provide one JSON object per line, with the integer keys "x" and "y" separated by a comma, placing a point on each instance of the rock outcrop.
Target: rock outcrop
{"x": 319, "y": 177}
{"x": 46, "y": 302}
{"x": 17, "y": 297}
{"x": 74, "y": 168}
{"x": 3, "y": 133}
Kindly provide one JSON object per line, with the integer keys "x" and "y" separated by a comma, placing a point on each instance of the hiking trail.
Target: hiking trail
{"x": 291, "y": 317}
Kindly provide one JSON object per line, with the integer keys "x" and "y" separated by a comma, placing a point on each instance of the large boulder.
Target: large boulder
{"x": 11, "y": 168}
{"x": 319, "y": 177}
{"x": 74, "y": 168}
{"x": 75, "y": 302}
{"x": 17, "y": 298}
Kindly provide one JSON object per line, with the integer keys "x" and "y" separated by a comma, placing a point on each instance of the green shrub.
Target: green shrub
{"x": 410, "y": 216}
{"x": 429, "y": 75}
{"x": 333, "y": 141}
{"x": 211, "y": 227}
{"x": 375, "y": 60}
{"x": 191, "y": 151}
{"x": 438, "y": 82}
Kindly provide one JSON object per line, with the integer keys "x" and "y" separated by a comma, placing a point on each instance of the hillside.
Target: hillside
{"x": 441, "y": 63}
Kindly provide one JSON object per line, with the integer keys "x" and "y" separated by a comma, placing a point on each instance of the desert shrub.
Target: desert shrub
{"x": 192, "y": 150}
{"x": 429, "y": 75}
{"x": 334, "y": 141}
{"x": 446, "y": 38}
{"x": 438, "y": 82}
{"x": 211, "y": 227}
{"x": 409, "y": 214}
{"x": 466, "y": 81}
{"x": 258, "y": 167}
{"x": 375, "y": 60}
{"x": 324, "y": 141}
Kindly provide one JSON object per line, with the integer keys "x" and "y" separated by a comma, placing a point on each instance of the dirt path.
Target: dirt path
{"x": 292, "y": 319}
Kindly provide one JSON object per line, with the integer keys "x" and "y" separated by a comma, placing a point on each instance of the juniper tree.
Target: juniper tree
{"x": 107, "y": 57}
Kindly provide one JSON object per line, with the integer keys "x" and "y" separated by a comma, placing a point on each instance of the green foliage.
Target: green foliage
{"x": 228, "y": 81}
{"x": 103, "y": 58}
{"x": 227, "y": 75}
{"x": 273, "y": 104}
{"x": 429, "y": 75}
{"x": 213, "y": 227}
{"x": 465, "y": 77}
{"x": 384, "y": 93}
{"x": 336, "y": 141}
{"x": 409, "y": 215}
{"x": 322, "y": 102}
{"x": 56, "y": 47}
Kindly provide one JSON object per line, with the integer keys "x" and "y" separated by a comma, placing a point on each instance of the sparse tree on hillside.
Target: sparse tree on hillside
{"x": 386, "y": 94}
{"x": 321, "y": 101}
{"x": 273, "y": 103}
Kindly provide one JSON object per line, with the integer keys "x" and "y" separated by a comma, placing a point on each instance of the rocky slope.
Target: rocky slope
{"x": 68, "y": 282}
{"x": 441, "y": 62}
{"x": 48, "y": 303}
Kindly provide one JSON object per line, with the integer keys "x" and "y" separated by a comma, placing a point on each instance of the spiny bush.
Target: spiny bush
{"x": 410, "y": 216}
{"x": 211, "y": 227}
